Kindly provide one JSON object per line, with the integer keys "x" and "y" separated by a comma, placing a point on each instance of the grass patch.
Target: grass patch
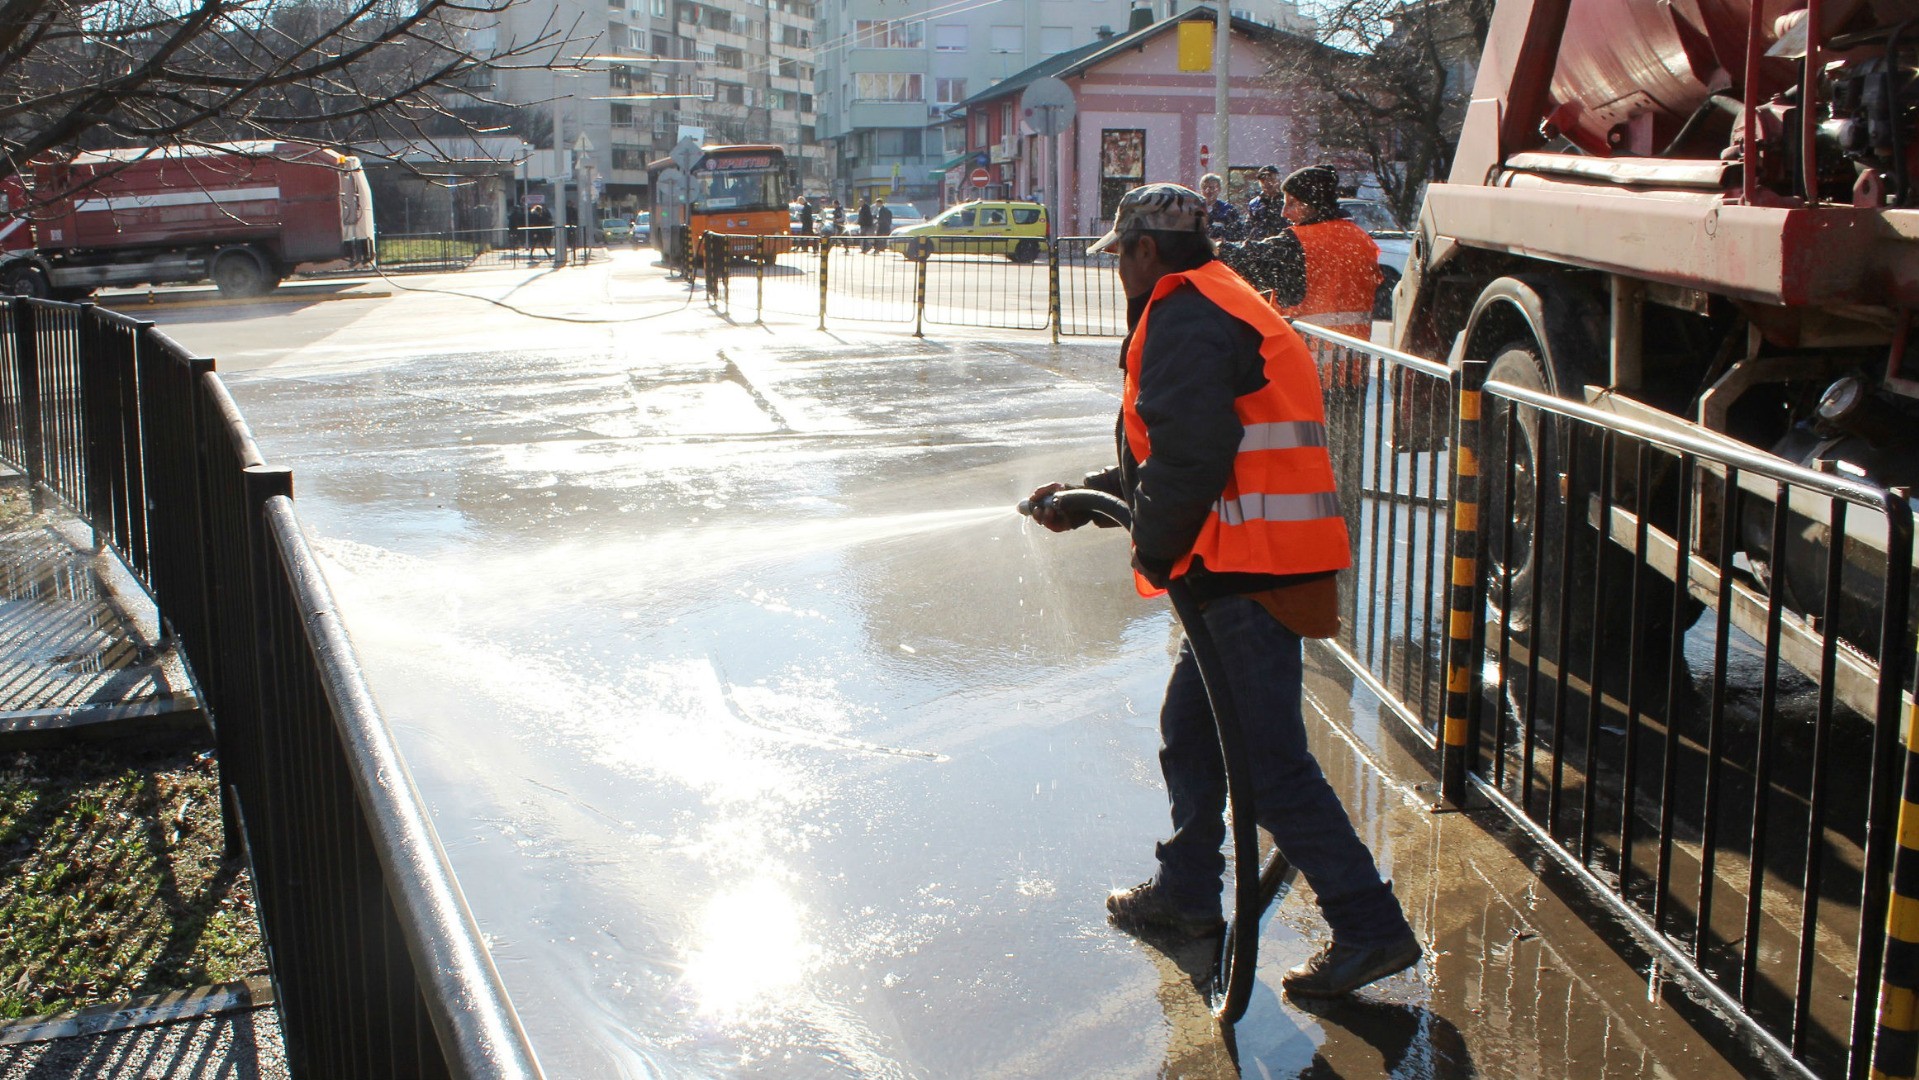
{"x": 112, "y": 879}
{"x": 427, "y": 249}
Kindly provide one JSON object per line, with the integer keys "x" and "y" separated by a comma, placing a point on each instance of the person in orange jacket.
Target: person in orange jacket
{"x": 1223, "y": 461}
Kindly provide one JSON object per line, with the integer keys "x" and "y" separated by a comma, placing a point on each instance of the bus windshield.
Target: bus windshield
{"x": 737, "y": 188}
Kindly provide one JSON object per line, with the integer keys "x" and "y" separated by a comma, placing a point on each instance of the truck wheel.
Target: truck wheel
{"x": 26, "y": 280}
{"x": 240, "y": 273}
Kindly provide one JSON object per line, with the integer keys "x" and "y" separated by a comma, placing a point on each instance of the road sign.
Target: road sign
{"x": 981, "y": 178}
{"x": 686, "y": 154}
{"x": 1048, "y": 106}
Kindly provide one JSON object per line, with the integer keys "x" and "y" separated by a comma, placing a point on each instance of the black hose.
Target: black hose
{"x": 1252, "y": 892}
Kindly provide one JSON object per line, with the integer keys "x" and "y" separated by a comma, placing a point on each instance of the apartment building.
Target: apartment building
{"x": 744, "y": 66}
{"x": 891, "y": 74}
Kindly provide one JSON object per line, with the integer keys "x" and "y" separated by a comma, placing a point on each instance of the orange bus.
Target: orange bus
{"x": 740, "y": 190}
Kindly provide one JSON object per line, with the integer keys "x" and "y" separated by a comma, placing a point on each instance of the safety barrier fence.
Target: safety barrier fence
{"x": 378, "y": 967}
{"x": 988, "y": 282}
{"x": 1652, "y": 659}
{"x": 466, "y": 248}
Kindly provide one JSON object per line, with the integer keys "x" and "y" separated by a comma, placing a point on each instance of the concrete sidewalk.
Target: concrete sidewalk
{"x": 83, "y": 656}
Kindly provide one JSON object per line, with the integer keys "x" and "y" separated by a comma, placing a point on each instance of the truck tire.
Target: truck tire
{"x": 241, "y": 273}
{"x": 26, "y": 279}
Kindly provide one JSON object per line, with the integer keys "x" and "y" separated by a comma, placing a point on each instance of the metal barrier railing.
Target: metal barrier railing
{"x": 989, "y": 282}
{"x": 1587, "y": 619}
{"x": 378, "y": 968}
{"x": 1388, "y": 418}
{"x": 1090, "y": 300}
{"x": 1660, "y": 759}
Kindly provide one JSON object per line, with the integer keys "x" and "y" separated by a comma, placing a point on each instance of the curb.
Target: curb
{"x": 252, "y": 992}
{"x": 128, "y": 303}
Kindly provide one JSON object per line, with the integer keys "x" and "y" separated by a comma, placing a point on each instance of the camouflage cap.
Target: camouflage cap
{"x": 1157, "y": 207}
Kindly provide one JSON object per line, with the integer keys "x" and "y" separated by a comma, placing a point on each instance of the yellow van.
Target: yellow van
{"x": 1014, "y": 229}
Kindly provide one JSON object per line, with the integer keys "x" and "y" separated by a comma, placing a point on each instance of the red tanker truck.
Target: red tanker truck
{"x": 1694, "y": 212}
{"x": 243, "y": 214}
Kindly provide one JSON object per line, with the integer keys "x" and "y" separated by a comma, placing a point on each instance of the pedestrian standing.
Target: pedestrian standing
{"x": 866, "y": 224}
{"x": 1266, "y": 213}
{"x": 806, "y": 216}
{"x": 882, "y": 224}
{"x": 839, "y": 218}
{"x": 1223, "y": 220}
{"x": 1223, "y": 460}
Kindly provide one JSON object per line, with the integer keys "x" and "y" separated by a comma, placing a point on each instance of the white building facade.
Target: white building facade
{"x": 746, "y": 66}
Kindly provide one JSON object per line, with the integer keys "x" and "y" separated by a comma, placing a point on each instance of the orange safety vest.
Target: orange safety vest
{"x": 1279, "y": 512}
{"x": 1342, "y": 272}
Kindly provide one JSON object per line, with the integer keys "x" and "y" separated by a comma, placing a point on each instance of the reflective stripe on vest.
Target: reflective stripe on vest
{"x": 1279, "y": 512}
{"x": 1257, "y": 507}
{"x": 1286, "y": 435}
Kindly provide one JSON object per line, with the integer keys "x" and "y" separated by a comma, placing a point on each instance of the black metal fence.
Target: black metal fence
{"x": 1674, "y": 661}
{"x": 467, "y": 248}
{"x": 378, "y": 966}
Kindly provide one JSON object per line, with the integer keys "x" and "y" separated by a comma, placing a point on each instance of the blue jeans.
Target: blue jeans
{"x": 1294, "y": 801}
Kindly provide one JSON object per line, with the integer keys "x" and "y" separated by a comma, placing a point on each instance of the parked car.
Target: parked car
{"x": 643, "y": 227}
{"x": 1016, "y": 230}
{"x": 616, "y": 228}
{"x": 906, "y": 215}
{"x": 1395, "y": 245}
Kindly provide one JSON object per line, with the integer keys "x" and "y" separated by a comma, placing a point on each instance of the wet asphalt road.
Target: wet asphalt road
{"x": 766, "y": 739}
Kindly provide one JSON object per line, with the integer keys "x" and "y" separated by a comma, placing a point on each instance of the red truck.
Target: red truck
{"x": 243, "y": 214}
{"x": 1695, "y": 212}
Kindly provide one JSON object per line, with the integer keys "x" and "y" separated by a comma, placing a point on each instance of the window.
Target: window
{"x": 993, "y": 216}
{"x": 622, "y": 115}
{"x": 898, "y": 142}
{"x": 620, "y": 78}
{"x": 888, "y": 34}
{"x": 662, "y": 45}
{"x": 1007, "y": 39}
{"x": 806, "y": 103}
{"x": 979, "y": 128}
{"x": 949, "y": 38}
{"x": 793, "y": 35}
{"x": 1054, "y": 40}
{"x": 719, "y": 19}
{"x": 659, "y": 9}
{"x": 729, "y": 58}
{"x": 1122, "y": 166}
{"x": 789, "y": 69}
{"x": 888, "y": 86}
{"x": 1025, "y": 215}
{"x": 949, "y": 91}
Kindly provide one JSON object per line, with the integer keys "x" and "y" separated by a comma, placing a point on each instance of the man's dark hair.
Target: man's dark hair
{"x": 1180, "y": 251}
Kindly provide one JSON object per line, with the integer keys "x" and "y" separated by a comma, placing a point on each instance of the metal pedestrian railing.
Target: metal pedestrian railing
{"x": 988, "y": 282}
{"x": 1618, "y": 635}
{"x": 378, "y": 967}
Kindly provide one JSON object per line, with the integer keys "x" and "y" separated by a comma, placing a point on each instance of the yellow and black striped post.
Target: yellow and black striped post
{"x": 1895, "y": 1046}
{"x": 919, "y": 296}
{"x": 1052, "y": 287}
{"x": 1455, "y": 743}
{"x": 826, "y": 246}
{"x": 759, "y": 298}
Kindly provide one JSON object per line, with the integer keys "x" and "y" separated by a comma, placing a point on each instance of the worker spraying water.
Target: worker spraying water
{"x": 1224, "y": 472}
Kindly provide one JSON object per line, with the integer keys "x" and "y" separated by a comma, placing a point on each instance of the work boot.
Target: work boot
{"x": 1338, "y": 970}
{"x": 1146, "y": 907}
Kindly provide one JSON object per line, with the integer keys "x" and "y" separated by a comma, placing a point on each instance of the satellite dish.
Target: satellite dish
{"x": 1048, "y": 106}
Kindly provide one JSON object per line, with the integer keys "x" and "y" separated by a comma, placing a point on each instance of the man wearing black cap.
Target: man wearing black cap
{"x": 1265, "y": 214}
{"x": 1223, "y": 460}
{"x": 1324, "y": 269}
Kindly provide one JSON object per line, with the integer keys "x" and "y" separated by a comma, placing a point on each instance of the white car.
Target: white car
{"x": 906, "y": 215}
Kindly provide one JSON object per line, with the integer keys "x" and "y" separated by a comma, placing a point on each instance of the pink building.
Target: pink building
{"x": 1140, "y": 119}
